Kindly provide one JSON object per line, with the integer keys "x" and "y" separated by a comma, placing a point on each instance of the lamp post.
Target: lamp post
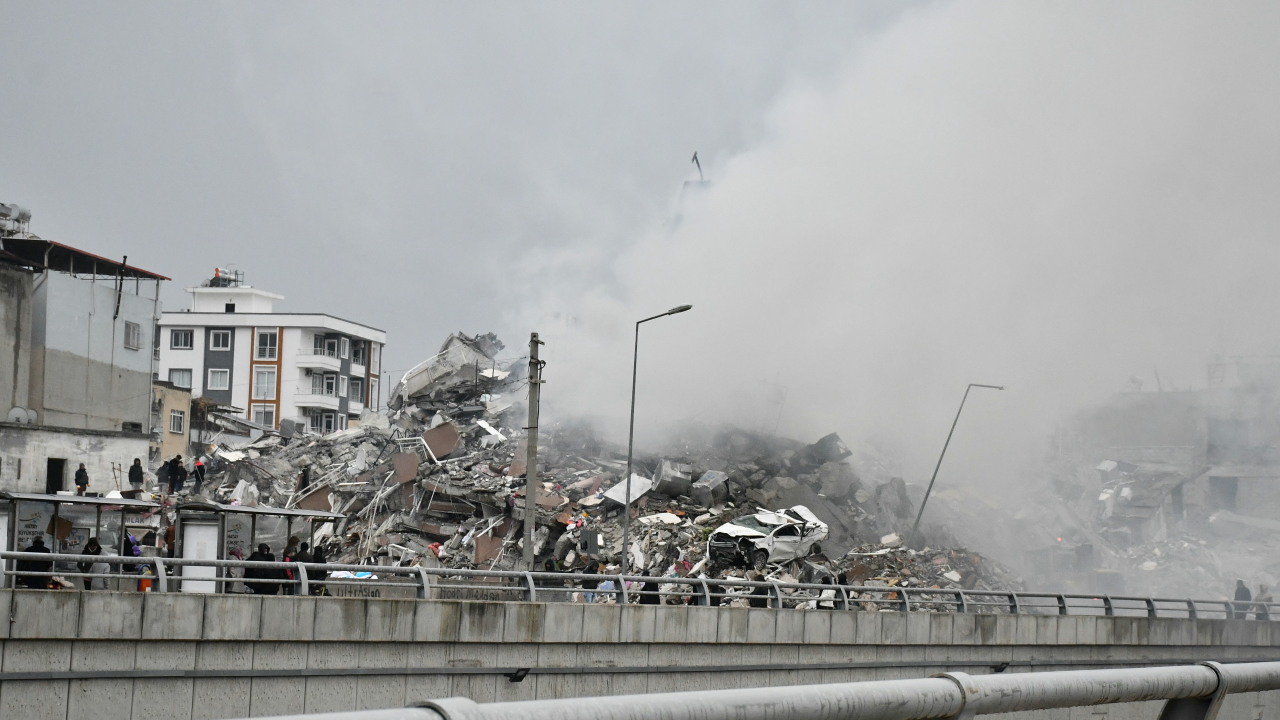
{"x": 944, "y": 454}
{"x": 631, "y": 438}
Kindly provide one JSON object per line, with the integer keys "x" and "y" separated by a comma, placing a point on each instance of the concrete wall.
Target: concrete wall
{"x": 82, "y": 375}
{"x": 15, "y": 337}
{"x": 127, "y": 655}
{"x": 33, "y": 445}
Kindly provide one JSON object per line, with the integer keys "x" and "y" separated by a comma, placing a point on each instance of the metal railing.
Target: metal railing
{"x": 166, "y": 574}
{"x": 1190, "y": 692}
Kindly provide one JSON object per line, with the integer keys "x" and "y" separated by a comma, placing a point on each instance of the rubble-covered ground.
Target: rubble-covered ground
{"x": 438, "y": 478}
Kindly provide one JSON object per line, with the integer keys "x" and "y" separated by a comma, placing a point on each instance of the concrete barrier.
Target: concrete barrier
{"x": 130, "y": 655}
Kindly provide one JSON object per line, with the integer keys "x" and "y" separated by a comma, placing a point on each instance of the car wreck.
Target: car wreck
{"x": 766, "y": 537}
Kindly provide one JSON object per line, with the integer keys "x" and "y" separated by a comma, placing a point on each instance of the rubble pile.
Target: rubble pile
{"x": 438, "y": 479}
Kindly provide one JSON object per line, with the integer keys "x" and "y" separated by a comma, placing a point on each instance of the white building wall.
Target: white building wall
{"x": 242, "y": 368}
{"x": 292, "y": 342}
{"x": 34, "y": 445}
{"x": 192, "y": 359}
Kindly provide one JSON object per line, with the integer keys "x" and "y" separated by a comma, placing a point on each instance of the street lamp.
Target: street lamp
{"x": 944, "y": 454}
{"x": 631, "y": 438}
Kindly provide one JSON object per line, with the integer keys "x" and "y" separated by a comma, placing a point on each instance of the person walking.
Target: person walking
{"x": 82, "y": 480}
{"x": 290, "y": 555}
{"x": 136, "y": 474}
{"x": 316, "y": 586}
{"x": 91, "y": 550}
{"x": 35, "y": 582}
{"x": 1242, "y": 594}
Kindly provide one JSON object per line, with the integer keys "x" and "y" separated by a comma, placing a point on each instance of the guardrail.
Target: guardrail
{"x": 170, "y": 574}
{"x": 1191, "y": 692}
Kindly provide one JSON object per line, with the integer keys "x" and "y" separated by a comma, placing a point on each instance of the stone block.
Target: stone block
{"x": 418, "y": 688}
{"x": 225, "y": 656}
{"x": 173, "y": 616}
{"x": 330, "y": 694}
{"x": 893, "y": 628}
{"x": 672, "y": 624}
{"x": 1025, "y": 632}
{"x": 375, "y": 692}
{"x": 917, "y": 628}
{"x": 166, "y": 656}
{"x": 1068, "y": 630}
{"x": 637, "y": 623}
{"x": 6, "y": 604}
{"x": 817, "y": 626}
{"x": 437, "y": 621}
{"x": 388, "y": 620}
{"x": 844, "y": 627}
{"x": 232, "y": 617}
{"x": 327, "y": 656}
{"x": 731, "y": 625}
{"x": 288, "y": 618}
{"x": 283, "y": 655}
{"x": 941, "y": 628}
{"x": 216, "y": 698}
{"x": 278, "y": 695}
{"x": 36, "y": 656}
{"x": 869, "y": 628}
{"x": 964, "y": 629}
{"x": 600, "y": 623}
{"x": 788, "y": 626}
{"x": 523, "y": 622}
{"x": 563, "y": 623}
{"x": 45, "y": 614}
{"x": 482, "y": 622}
{"x": 702, "y": 624}
{"x": 102, "y": 655}
{"x": 340, "y": 620}
{"x": 99, "y": 700}
{"x": 762, "y": 625}
{"x": 156, "y": 698}
{"x": 111, "y": 615}
{"x": 34, "y": 699}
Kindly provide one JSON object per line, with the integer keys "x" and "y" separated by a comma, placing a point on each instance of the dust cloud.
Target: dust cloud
{"x": 1049, "y": 197}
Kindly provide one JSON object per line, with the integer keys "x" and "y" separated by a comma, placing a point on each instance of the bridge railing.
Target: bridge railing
{"x": 156, "y": 574}
{"x": 1190, "y": 692}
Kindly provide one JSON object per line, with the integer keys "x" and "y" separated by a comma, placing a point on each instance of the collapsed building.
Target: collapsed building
{"x": 439, "y": 479}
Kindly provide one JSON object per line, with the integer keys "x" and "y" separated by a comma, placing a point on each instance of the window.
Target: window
{"x": 330, "y": 384}
{"x": 180, "y": 339}
{"x": 177, "y": 421}
{"x": 357, "y": 387}
{"x": 317, "y": 384}
{"x": 267, "y": 345}
{"x": 375, "y": 358}
{"x": 219, "y": 339}
{"x": 344, "y": 345}
{"x": 229, "y": 307}
{"x": 331, "y": 348}
{"x": 317, "y": 344}
{"x": 132, "y": 335}
{"x": 264, "y": 382}
{"x": 342, "y": 386}
{"x": 342, "y": 422}
{"x": 314, "y": 420}
{"x": 328, "y": 423}
{"x": 180, "y": 378}
{"x": 219, "y": 379}
{"x": 373, "y": 393}
{"x": 265, "y": 415}
{"x": 358, "y": 352}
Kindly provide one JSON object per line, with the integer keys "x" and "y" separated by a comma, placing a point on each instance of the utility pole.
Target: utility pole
{"x": 531, "y": 462}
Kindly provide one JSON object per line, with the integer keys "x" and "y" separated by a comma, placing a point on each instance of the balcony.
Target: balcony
{"x": 327, "y": 402}
{"x": 357, "y": 369}
{"x": 318, "y": 360}
{"x": 354, "y": 408}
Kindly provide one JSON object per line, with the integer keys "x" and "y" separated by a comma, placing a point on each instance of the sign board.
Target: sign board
{"x": 389, "y": 586}
{"x": 33, "y": 522}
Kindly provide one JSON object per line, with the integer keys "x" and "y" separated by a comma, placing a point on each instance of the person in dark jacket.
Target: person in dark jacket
{"x": 92, "y": 549}
{"x": 82, "y": 480}
{"x": 315, "y": 578}
{"x": 649, "y": 590}
{"x": 35, "y": 582}
{"x": 177, "y": 475}
{"x": 262, "y": 555}
{"x": 136, "y": 474}
{"x": 1242, "y": 593}
{"x": 759, "y": 595}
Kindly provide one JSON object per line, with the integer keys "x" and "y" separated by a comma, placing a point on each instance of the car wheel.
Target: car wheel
{"x": 816, "y": 549}
{"x": 759, "y": 560}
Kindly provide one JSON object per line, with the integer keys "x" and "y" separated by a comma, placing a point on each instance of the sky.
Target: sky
{"x": 902, "y": 198}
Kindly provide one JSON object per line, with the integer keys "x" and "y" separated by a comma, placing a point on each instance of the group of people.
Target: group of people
{"x": 175, "y": 470}
{"x": 284, "y": 581}
{"x": 1246, "y": 602}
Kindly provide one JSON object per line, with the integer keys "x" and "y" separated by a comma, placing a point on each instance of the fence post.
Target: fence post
{"x": 162, "y": 577}
{"x": 532, "y": 594}
{"x": 906, "y": 602}
{"x": 1151, "y": 608}
{"x": 1106, "y": 603}
{"x": 964, "y": 604}
{"x": 1014, "y": 606}
{"x": 844, "y": 597}
{"x": 424, "y": 590}
{"x": 777, "y": 595}
{"x": 1191, "y": 609}
{"x": 1062, "y": 605}
{"x": 303, "y": 588}
{"x": 622, "y": 590}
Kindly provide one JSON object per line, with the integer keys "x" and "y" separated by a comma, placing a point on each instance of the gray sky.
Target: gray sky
{"x": 392, "y": 163}
{"x": 1049, "y": 196}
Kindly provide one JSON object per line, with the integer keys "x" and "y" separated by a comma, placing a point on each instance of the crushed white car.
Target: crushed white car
{"x": 767, "y": 537}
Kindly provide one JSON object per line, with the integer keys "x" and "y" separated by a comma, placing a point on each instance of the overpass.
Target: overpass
{"x": 186, "y": 655}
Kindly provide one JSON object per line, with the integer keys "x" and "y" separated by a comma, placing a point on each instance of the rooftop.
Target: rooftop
{"x": 40, "y": 253}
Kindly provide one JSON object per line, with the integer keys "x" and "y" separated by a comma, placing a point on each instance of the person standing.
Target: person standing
{"x": 197, "y": 477}
{"x": 136, "y": 474}
{"x": 290, "y": 556}
{"x": 263, "y": 554}
{"x": 91, "y": 550}
{"x": 316, "y": 586}
{"x": 304, "y": 480}
{"x": 177, "y": 475}
{"x": 1242, "y": 594}
{"x": 35, "y": 582}
{"x": 82, "y": 480}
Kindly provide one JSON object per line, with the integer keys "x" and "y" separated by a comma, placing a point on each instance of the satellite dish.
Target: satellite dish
{"x": 32, "y": 417}
{"x": 18, "y": 415}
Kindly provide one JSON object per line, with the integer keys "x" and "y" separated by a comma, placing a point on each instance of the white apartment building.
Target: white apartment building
{"x": 232, "y": 348}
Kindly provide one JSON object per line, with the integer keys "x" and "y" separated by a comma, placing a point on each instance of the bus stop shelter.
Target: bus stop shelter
{"x": 213, "y": 531}
{"x": 66, "y": 522}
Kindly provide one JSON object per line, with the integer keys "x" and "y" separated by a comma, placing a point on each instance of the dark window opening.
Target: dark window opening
{"x": 55, "y": 469}
{"x": 230, "y": 307}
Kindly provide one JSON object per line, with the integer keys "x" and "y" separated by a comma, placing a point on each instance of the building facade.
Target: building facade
{"x": 170, "y": 421}
{"x": 76, "y": 387}
{"x": 233, "y": 349}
